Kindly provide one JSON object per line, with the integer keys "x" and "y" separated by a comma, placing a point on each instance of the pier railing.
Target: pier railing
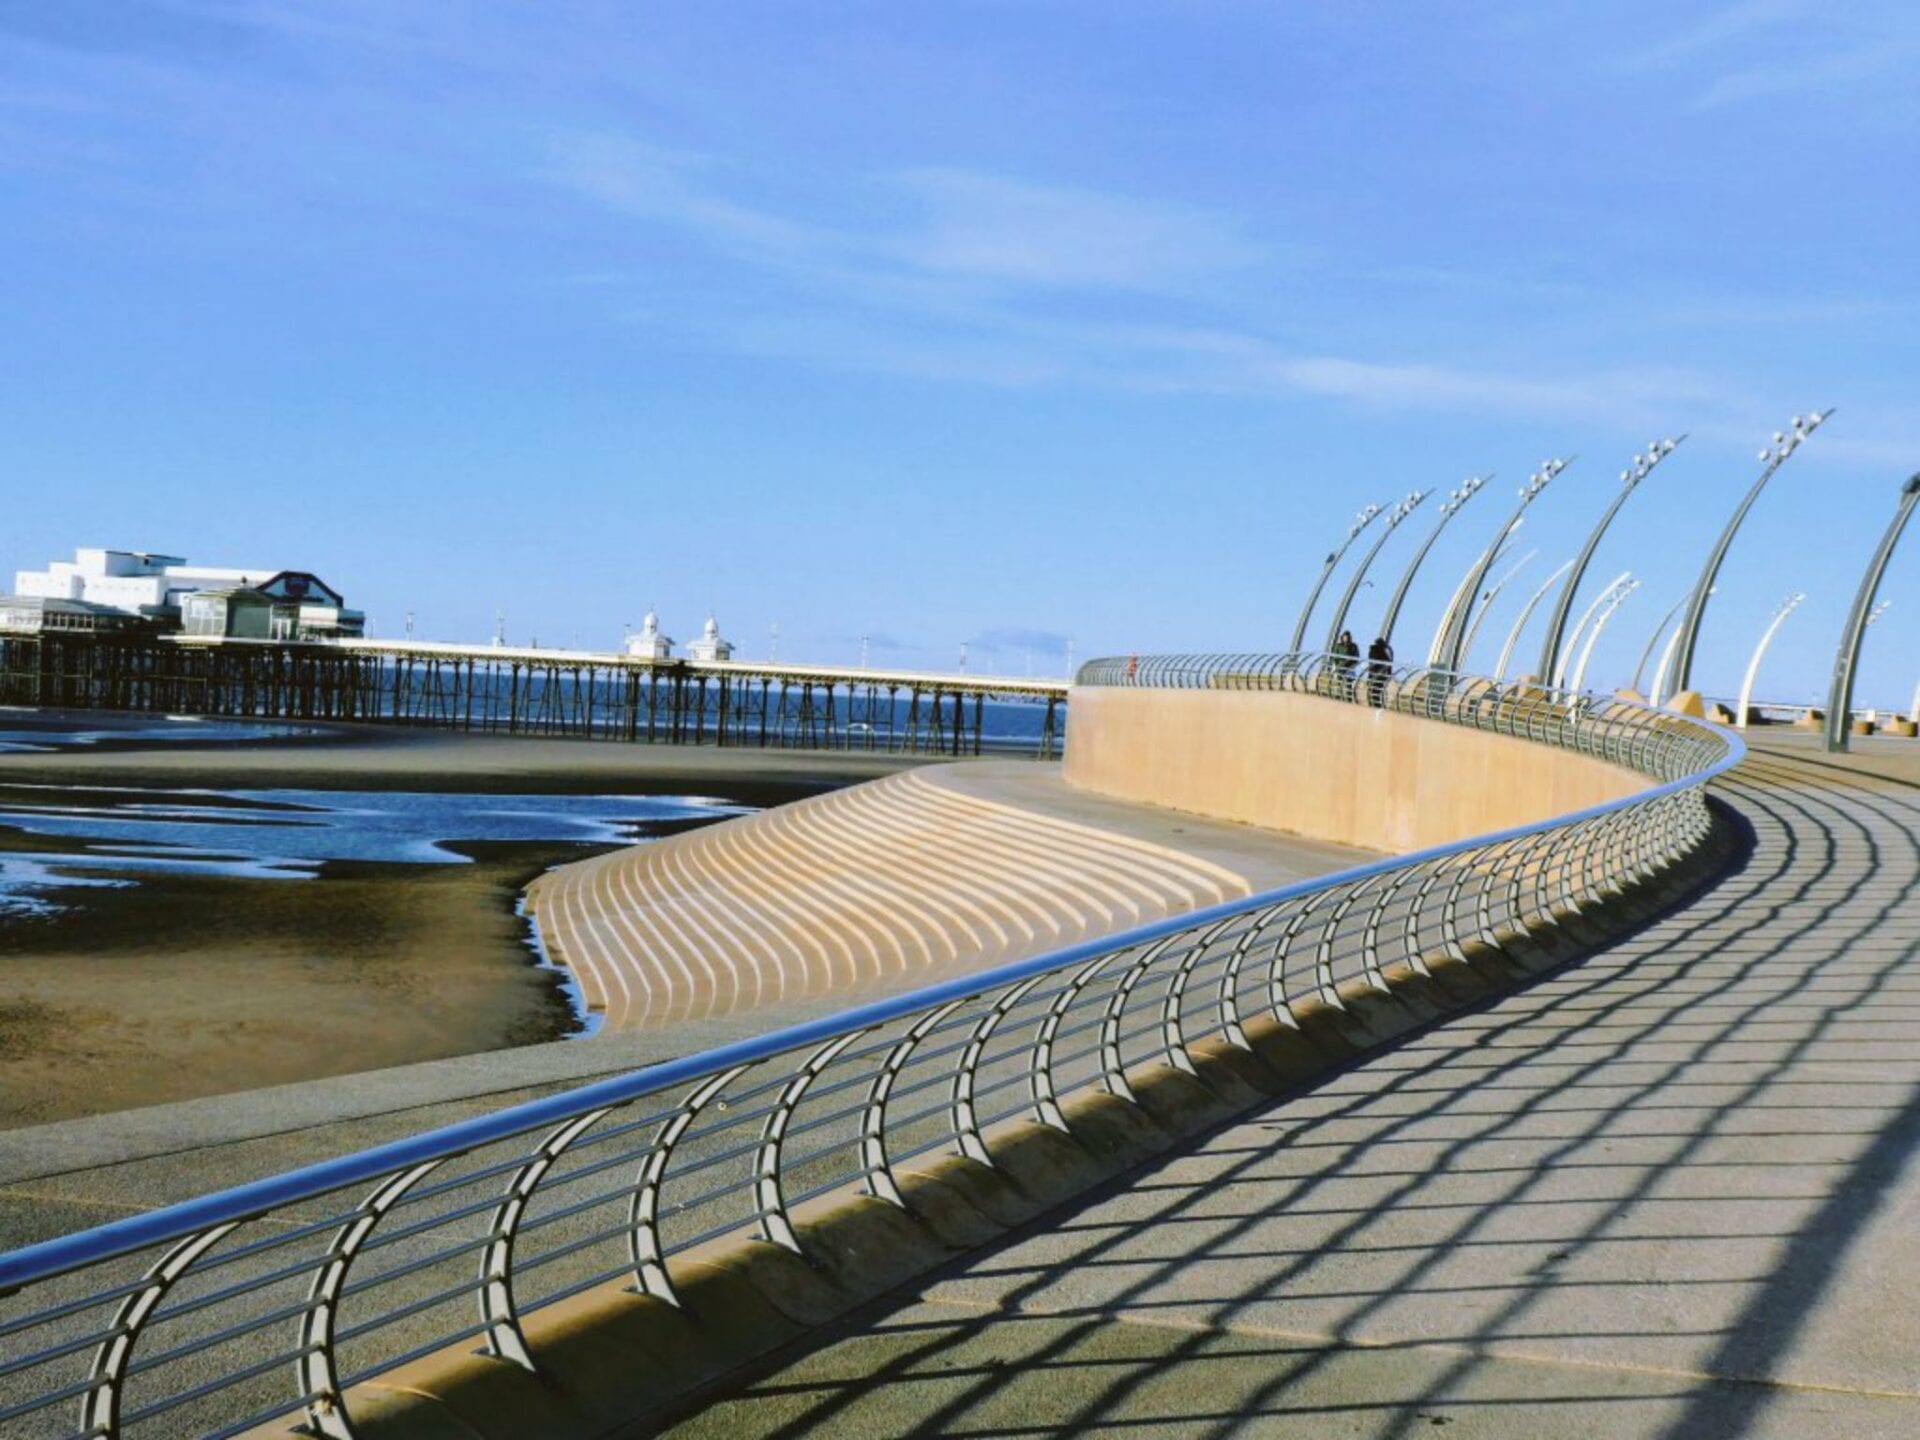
{"x": 274, "y": 1299}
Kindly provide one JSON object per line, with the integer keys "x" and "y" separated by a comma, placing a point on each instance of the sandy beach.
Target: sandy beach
{"x": 371, "y": 757}
{"x": 190, "y": 985}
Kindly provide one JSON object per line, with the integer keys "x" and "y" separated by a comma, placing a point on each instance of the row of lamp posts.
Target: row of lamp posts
{"x": 1461, "y": 622}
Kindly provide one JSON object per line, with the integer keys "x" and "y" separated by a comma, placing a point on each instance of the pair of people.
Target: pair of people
{"x": 1346, "y": 661}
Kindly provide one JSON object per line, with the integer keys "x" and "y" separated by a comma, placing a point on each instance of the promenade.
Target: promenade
{"x": 1656, "y": 1190}
{"x": 1667, "y": 1192}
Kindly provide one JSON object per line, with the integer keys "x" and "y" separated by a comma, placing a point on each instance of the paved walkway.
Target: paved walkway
{"x": 897, "y": 882}
{"x": 1670, "y": 1192}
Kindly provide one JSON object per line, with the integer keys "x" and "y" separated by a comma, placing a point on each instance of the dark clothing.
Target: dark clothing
{"x": 1346, "y": 659}
{"x": 1379, "y": 667}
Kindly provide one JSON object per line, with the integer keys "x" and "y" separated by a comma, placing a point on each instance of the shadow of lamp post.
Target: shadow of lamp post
{"x": 1847, "y": 660}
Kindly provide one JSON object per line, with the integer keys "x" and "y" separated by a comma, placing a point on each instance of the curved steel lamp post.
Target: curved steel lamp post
{"x": 1559, "y": 678}
{"x": 1616, "y": 598}
{"x": 1446, "y": 655}
{"x": 1493, "y": 594}
{"x": 1772, "y": 458}
{"x": 1847, "y": 660}
{"x": 1666, "y": 653}
{"x": 1780, "y": 612}
{"x": 1664, "y": 669}
{"x": 1402, "y": 508}
{"x": 1449, "y": 508}
{"x": 1551, "y": 660}
{"x": 1526, "y": 614}
{"x": 1360, "y": 522}
{"x": 1654, "y": 639}
{"x": 1463, "y": 602}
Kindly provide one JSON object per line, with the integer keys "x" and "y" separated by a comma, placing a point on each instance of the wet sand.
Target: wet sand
{"x": 379, "y": 758}
{"x": 187, "y": 985}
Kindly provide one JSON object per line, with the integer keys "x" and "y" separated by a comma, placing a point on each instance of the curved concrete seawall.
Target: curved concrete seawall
{"x": 1326, "y": 768}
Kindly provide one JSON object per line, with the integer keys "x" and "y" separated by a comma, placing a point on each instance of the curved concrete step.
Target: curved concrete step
{"x": 891, "y": 883}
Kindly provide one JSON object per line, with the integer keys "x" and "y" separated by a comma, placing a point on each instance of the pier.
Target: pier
{"x": 520, "y": 690}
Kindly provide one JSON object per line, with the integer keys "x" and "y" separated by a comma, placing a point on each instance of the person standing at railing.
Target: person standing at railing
{"x": 1379, "y": 667}
{"x": 1346, "y": 659}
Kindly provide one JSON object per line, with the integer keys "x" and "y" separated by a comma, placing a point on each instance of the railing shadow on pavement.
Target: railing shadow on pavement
{"x": 1614, "y": 1102}
{"x": 275, "y": 1299}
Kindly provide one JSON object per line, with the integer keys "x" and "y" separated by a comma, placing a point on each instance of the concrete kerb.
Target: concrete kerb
{"x": 613, "y": 1362}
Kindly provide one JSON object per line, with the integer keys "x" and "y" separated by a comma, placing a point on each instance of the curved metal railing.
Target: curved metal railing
{"x": 1654, "y": 742}
{"x": 275, "y": 1298}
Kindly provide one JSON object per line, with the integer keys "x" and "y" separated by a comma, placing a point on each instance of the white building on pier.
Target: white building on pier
{"x": 157, "y": 588}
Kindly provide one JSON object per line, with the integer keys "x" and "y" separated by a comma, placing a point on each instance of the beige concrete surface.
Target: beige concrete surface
{"x": 1344, "y": 773}
{"x": 893, "y": 883}
{"x": 1670, "y": 1192}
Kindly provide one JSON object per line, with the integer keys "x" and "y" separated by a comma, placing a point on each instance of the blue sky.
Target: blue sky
{"x": 996, "y": 323}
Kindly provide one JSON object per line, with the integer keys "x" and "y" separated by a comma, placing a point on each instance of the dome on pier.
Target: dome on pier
{"x": 710, "y": 648}
{"x": 650, "y": 644}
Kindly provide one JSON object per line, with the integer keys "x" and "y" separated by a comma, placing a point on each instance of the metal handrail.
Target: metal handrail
{"x": 701, "y": 1143}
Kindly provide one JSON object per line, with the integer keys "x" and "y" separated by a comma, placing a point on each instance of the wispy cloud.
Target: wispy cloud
{"x": 132, "y": 27}
{"x": 984, "y": 225}
{"x": 1638, "y": 393}
{"x": 1786, "y": 76}
{"x": 939, "y": 222}
{"x": 1012, "y": 350}
{"x": 1716, "y": 32}
{"x": 656, "y": 183}
{"x": 1761, "y": 49}
{"x": 948, "y": 288}
{"x": 955, "y": 275}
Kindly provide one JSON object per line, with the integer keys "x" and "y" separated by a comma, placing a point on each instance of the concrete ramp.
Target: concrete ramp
{"x": 888, "y": 884}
